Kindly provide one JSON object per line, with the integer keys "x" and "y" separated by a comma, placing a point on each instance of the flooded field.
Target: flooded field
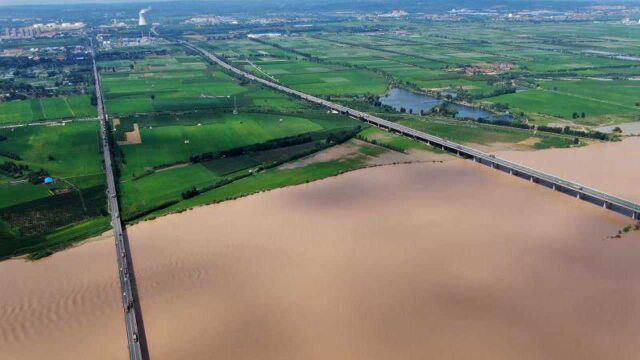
{"x": 313, "y": 272}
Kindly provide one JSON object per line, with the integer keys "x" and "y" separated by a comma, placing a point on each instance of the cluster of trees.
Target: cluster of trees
{"x": 192, "y": 192}
{"x": 3, "y": 138}
{"x": 204, "y": 157}
{"x": 569, "y": 131}
{"x": 268, "y": 145}
{"x": 341, "y": 137}
{"x": 189, "y": 193}
{"x": 12, "y": 169}
{"x": 445, "y": 109}
{"x": 17, "y": 90}
{"x": 500, "y": 90}
{"x": 575, "y": 115}
{"x": 10, "y": 155}
{"x": 553, "y": 129}
{"x": 21, "y": 90}
{"x": 37, "y": 176}
{"x": 128, "y": 55}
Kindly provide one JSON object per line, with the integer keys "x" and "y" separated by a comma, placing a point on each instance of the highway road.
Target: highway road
{"x": 132, "y": 313}
{"x": 608, "y": 201}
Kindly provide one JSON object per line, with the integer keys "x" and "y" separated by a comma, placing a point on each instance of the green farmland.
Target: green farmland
{"x": 557, "y": 74}
{"x": 32, "y": 212}
{"x": 171, "y": 141}
{"x": 26, "y": 111}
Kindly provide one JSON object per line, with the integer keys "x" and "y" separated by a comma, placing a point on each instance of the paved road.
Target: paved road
{"x": 608, "y": 201}
{"x": 131, "y": 308}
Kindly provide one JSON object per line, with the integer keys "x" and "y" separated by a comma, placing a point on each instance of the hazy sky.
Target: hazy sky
{"x": 30, "y": 2}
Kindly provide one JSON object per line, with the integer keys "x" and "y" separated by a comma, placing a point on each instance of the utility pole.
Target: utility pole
{"x": 235, "y": 106}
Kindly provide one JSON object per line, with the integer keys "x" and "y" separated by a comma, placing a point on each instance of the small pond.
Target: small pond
{"x": 401, "y": 98}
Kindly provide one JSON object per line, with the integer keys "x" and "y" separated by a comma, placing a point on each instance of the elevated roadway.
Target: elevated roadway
{"x": 136, "y": 338}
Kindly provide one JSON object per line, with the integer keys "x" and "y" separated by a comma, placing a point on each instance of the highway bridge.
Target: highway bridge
{"x": 582, "y": 192}
{"x": 131, "y": 307}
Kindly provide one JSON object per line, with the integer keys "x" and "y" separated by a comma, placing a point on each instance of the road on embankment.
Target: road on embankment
{"x": 131, "y": 306}
{"x": 608, "y": 201}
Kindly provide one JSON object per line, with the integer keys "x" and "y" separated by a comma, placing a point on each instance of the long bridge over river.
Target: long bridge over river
{"x": 607, "y": 201}
{"x": 136, "y": 339}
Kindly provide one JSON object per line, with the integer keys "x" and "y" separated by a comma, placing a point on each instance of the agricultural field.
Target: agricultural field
{"x": 36, "y": 217}
{"x": 175, "y": 154}
{"x": 177, "y": 82}
{"x": 549, "y": 74}
{"x": 311, "y": 77}
{"x": 56, "y": 108}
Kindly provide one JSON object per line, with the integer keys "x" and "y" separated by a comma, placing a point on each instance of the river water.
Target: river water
{"x": 401, "y": 98}
{"x": 612, "y": 167}
{"x": 449, "y": 260}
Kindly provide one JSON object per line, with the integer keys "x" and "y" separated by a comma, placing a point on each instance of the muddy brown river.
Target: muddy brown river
{"x": 444, "y": 261}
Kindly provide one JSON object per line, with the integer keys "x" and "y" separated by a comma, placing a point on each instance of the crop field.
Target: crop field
{"x": 307, "y": 76}
{"x": 171, "y": 142}
{"x": 31, "y": 211}
{"x": 163, "y": 187}
{"x": 58, "y": 108}
{"x": 165, "y": 83}
{"x": 561, "y": 72}
{"x": 177, "y": 83}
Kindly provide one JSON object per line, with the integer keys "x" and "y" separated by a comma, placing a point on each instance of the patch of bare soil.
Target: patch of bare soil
{"x": 132, "y": 137}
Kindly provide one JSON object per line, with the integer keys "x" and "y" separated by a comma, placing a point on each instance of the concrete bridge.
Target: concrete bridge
{"x": 581, "y": 192}
{"x": 136, "y": 338}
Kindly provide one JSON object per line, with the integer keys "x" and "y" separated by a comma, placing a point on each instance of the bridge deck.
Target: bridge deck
{"x": 600, "y": 198}
{"x": 133, "y": 314}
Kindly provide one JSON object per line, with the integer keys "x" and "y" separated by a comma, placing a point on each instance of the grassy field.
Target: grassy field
{"x": 68, "y": 150}
{"x": 169, "y": 142}
{"x": 26, "y": 111}
{"x": 31, "y": 213}
{"x": 165, "y": 83}
{"x": 162, "y": 187}
{"x": 564, "y": 73}
{"x": 307, "y": 76}
{"x": 394, "y": 141}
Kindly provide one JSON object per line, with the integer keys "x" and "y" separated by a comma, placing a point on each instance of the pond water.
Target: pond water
{"x": 401, "y": 98}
